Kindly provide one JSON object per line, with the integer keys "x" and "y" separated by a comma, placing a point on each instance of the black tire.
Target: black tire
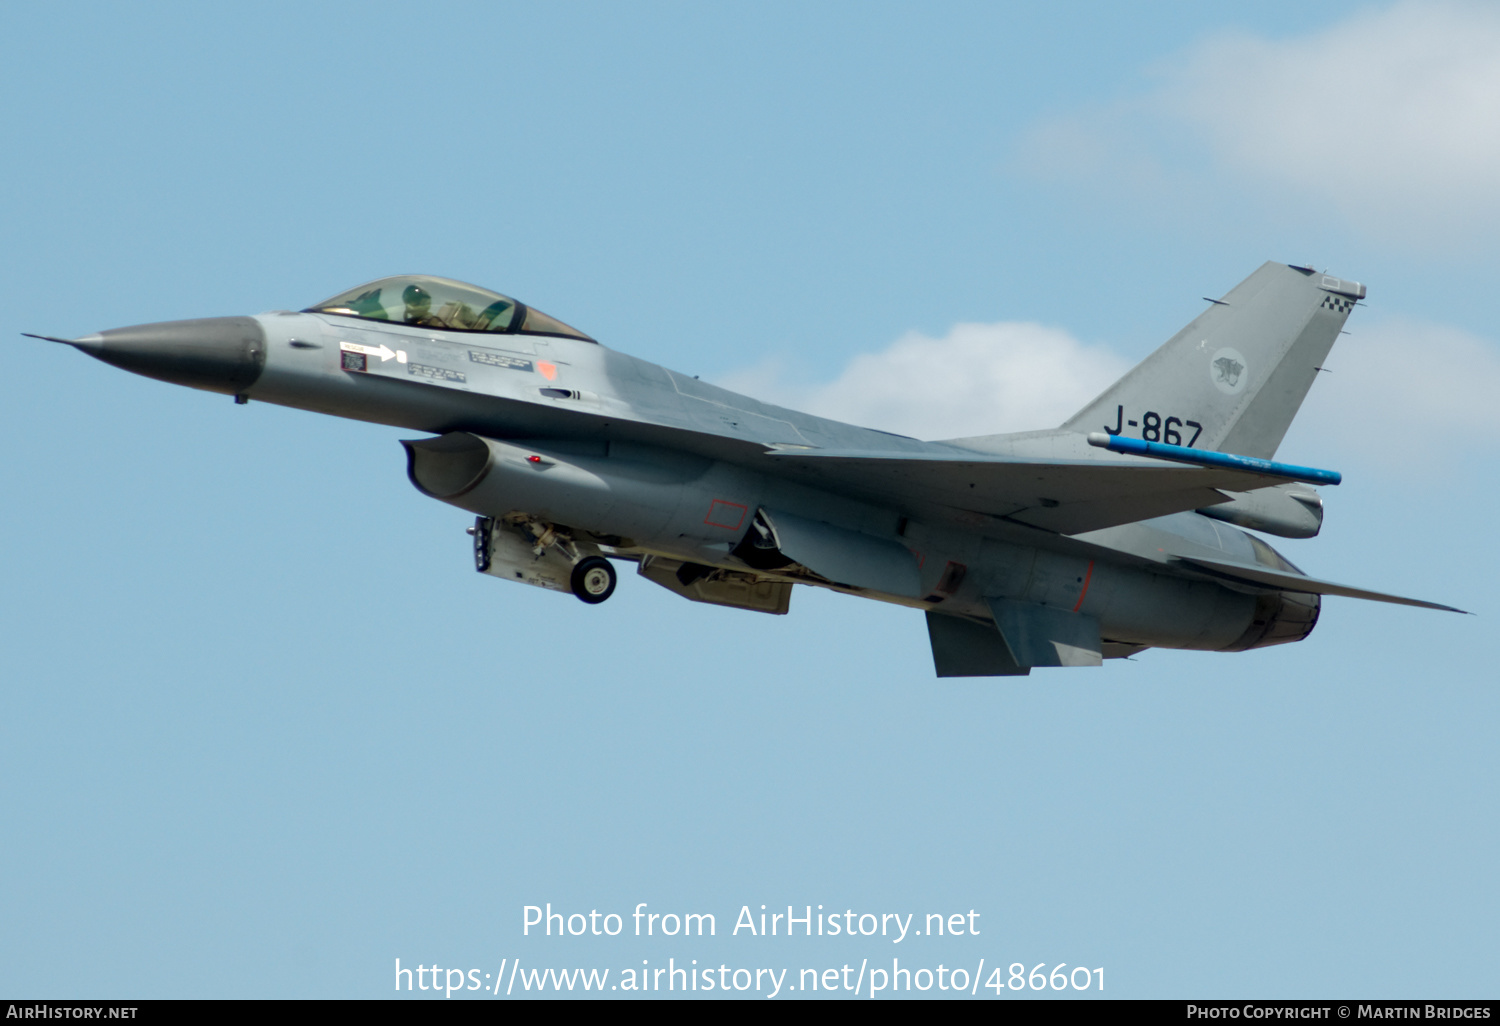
{"x": 593, "y": 579}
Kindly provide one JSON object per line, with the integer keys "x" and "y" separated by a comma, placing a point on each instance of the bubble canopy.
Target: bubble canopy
{"x": 423, "y": 301}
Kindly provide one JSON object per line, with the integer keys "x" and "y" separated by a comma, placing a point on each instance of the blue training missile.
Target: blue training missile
{"x": 1204, "y": 458}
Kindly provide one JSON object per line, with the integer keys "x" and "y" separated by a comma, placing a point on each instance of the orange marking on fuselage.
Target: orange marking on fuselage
{"x": 1087, "y": 578}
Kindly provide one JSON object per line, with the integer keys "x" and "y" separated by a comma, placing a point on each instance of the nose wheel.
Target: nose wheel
{"x": 593, "y": 579}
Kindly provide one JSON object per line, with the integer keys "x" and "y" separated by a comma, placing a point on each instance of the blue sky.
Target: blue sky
{"x": 266, "y": 731}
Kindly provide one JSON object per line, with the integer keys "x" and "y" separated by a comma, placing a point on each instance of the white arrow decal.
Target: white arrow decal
{"x": 384, "y": 352}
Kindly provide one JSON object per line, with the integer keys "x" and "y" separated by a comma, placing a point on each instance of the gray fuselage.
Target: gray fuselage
{"x": 658, "y": 463}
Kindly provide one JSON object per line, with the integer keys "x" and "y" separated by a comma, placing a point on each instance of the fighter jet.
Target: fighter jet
{"x": 1128, "y": 527}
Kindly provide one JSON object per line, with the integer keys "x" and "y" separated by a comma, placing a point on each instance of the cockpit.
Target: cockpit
{"x": 421, "y": 300}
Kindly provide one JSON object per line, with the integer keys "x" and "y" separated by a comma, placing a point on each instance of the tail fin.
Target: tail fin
{"x": 1233, "y": 379}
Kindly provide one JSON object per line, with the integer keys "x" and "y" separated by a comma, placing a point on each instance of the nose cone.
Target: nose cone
{"x": 220, "y": 354}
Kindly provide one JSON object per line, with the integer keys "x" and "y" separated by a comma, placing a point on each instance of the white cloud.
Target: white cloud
{"x": 977, "y": 379}
{"x": 1391, "y": 116}
{"x": 1420, "y": 390}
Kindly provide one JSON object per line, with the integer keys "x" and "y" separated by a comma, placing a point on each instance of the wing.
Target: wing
{"x": 1066, "y": 496}
{"x": 1265, "y": 577}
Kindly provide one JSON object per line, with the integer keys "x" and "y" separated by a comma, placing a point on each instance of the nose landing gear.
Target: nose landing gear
{"x": 593, "y": 579}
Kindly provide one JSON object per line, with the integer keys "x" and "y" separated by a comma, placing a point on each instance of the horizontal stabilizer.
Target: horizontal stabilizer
{"x": 1066, "y": 496}
{"x": 1281, "y": 580}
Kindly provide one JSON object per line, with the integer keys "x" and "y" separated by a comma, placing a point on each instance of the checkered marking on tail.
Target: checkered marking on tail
{"x": 1337, "y": 304}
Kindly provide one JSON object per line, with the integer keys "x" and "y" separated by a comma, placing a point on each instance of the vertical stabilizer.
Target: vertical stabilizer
{"x": 1232, "y": 380}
